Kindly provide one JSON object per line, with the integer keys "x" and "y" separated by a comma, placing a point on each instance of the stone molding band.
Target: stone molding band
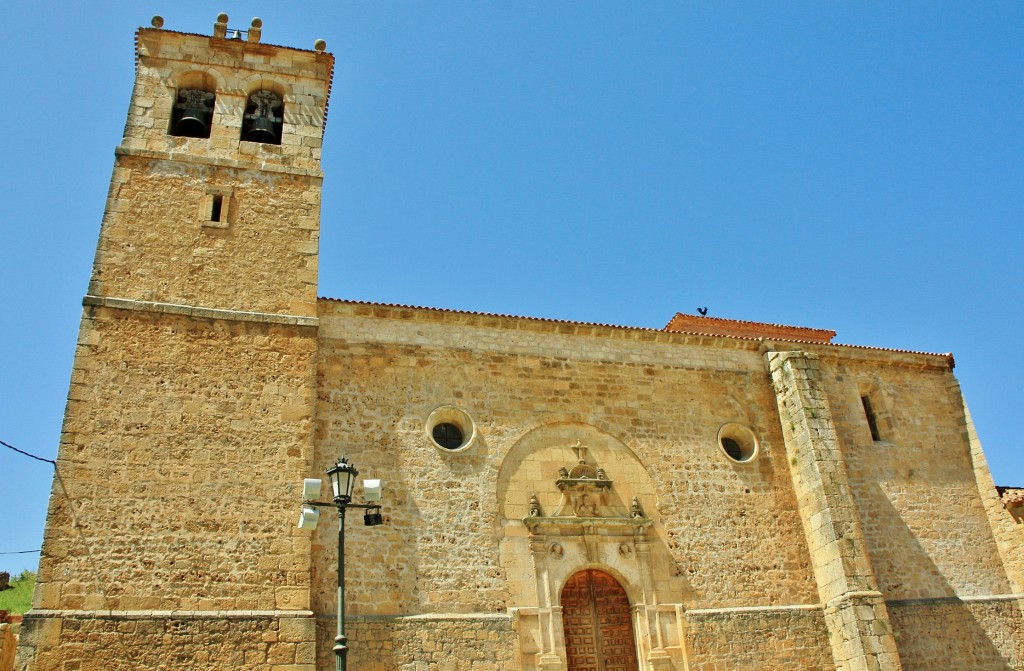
{"x": 938, "y": 600}
{"x": 182, "y": 157}
{"x": 198, "y": 312}
{"x": 436, "y": 617}
{"x": 854, "y": 595}
{"x": 169, "y": 614}
{"x": 752, "y": 609}
{"x": 249, "y": 614}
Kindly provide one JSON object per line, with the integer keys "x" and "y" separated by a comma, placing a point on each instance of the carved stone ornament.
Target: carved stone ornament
{"x": 635, "y": 510}
{"x": 264, "y": 104}
{"x": 195, "y": 99}
{"x": 587, "y": 509}
{"x": 534, "y": 506}
{"x": 584, "y": 488}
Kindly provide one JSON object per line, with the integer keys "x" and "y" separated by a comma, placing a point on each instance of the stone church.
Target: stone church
{"x": 557, "y": 496}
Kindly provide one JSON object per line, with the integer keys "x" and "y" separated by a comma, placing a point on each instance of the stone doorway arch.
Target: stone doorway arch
{"x": 598, "y": 623}
{"x": 566, "y": 507}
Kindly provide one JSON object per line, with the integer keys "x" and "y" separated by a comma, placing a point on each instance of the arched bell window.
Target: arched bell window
{"x": 192, "y": 113}
{"x": 263, "y": 118}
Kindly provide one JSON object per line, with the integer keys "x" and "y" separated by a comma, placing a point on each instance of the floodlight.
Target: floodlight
{"x": 371, "y": 490}
{"x": 311, "y": 489}
{"x": 309, "y": 518}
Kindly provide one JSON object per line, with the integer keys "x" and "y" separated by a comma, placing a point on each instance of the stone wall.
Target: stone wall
{"x": 649, "y": 404}
{"x": 967, "y": 635}
{"x": 126, "y": 641}
{"x": 171, "y": 424}
{"x": 752, "y": 640}
{"x": 155, "y": 244}
{"x": 423, "y": 643}
{"x": 728, "y": 533}
{"x": 916, "y": 484}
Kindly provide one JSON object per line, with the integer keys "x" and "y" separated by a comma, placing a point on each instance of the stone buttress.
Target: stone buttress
{"x": 855, "y": 611}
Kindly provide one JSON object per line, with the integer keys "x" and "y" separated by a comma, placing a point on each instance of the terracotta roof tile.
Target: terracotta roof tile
{"x": 736, "y": 327}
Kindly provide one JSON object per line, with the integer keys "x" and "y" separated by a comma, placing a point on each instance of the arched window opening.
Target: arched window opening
{"x": 597, "y": 623}
{"x": 263, "y": 118}
{"x": 192, "y": 113}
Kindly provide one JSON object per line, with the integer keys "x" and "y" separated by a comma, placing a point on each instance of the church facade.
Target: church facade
{"x": 558, "y": 496}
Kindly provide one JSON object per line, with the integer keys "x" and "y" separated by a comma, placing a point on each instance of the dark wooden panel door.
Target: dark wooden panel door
{"x": 597, "y": 624}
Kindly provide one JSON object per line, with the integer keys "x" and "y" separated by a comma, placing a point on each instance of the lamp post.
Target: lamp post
{"x": 343, "y": 479}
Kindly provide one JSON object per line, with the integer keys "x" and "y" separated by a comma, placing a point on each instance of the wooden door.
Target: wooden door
{"x": 598, "y": 624}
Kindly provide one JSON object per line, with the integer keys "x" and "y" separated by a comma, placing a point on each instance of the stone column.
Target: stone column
{"x": 647, "y": 625}
{"x": 549, "y": 616}
{"x": 855, "y": 611}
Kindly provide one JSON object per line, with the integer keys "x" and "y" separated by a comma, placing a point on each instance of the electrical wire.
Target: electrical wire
{"x": 12, "y": 447}
{"x": 49, "y": 461}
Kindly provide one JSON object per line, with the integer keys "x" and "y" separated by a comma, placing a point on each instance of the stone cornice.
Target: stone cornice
{"x": 217, "y": 161}
{"x": 199, "y": 312}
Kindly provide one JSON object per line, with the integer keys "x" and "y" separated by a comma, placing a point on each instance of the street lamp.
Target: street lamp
{"x": 343, "y": 479}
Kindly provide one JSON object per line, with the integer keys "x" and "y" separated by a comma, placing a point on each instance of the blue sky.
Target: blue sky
{"x": 853, "y": 166}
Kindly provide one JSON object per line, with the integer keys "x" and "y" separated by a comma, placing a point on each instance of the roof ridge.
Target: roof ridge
{"x": 748, "y": 321}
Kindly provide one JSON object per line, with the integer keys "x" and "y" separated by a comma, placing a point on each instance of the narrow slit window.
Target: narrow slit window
{"x": 215, "y": 207}
{"x": 872, "y": 420}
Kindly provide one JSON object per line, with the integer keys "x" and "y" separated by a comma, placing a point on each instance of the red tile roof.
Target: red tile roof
{"x": 744, "y": 329}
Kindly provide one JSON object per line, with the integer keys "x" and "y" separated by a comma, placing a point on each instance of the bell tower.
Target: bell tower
{"x": 215, "y": 196}
{"x": 189, "y": 417}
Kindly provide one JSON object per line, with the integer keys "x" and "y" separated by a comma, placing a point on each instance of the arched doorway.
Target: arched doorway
{"x": 597, "y": 623}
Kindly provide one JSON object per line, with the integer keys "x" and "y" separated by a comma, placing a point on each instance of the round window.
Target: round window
{"x": 738, "y": 442}
{"x": 447, "y": 435}
{"x": 451, "y": 428}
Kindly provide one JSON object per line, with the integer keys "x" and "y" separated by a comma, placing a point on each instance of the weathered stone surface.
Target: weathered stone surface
{"x": 111, "y": 642}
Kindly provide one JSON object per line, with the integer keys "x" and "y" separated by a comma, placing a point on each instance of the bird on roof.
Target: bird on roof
{"x": 703, "y": 312}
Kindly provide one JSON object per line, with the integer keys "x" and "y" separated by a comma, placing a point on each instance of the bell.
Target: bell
{"x": 192, "y": 123}
{"x": 262, "y": 130}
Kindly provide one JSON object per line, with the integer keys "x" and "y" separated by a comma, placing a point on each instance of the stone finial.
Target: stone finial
{"x": 534, "y": 506}
{"x": 635, "y": 510}
{"x": 157, "y": 22}
{"x": 581, "y": 451}
{"x": 320, "y": 46}
{"x": 220, "y": 28}
{"x": 255, "y": 30}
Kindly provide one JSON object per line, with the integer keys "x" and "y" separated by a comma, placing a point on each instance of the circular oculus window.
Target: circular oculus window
{"x": 738, "y": 442}
{"x": 451, "y": 428}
